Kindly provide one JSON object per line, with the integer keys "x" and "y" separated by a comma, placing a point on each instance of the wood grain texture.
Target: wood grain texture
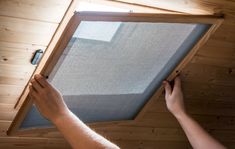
{"x": 52, "y": 45}
{"x": 126, "y": 17}
{"x": 25, "y": 26}
{"x": 192, "y": 7}
{"x": 40, "y": 10}
{"x": 208, "y": 82}
{"x": 128, "y": 6}
{"x": 26, "y": 31}
{"x": 24, "y": 100}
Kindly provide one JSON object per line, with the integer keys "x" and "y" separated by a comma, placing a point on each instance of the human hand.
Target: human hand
{"x": 174, "y": 98}
{"x": 47, "y": 99}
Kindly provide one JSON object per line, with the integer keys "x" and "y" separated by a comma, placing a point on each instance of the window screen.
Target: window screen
{"x": 109, "y": 70}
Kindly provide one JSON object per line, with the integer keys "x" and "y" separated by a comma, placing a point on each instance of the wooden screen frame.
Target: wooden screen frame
{"x": 215, "y": 22}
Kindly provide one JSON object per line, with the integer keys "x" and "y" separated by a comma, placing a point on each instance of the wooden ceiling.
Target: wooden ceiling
{"x": 25, "y": 26}
{"x": 208, "y": 80}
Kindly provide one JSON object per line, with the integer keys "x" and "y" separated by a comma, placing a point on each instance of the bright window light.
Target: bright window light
{"x": 88, "y": 6}
{"x": 102, "y": 31}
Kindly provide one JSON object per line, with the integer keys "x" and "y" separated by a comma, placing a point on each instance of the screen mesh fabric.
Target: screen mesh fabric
{"x": 110, "y": 80}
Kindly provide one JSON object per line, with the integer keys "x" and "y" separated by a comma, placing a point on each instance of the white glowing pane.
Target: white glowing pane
{"x": 102, "y": 31}
{"x": 86, "y": 6}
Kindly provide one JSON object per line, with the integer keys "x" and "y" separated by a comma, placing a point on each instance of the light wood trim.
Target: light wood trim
{"x": 51, "y": 47}
{"x": 124, "y": 17}
{"x": 24, "y": 102}
{"x": 64, "y": 40}
{"x": 148, "y": 17}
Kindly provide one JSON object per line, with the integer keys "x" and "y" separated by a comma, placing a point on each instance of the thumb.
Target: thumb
{"x": 168, "y": 88}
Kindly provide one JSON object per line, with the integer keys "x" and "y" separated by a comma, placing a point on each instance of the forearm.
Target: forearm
{"x": 197, "y": 136}
{"x": 79, "y": 135}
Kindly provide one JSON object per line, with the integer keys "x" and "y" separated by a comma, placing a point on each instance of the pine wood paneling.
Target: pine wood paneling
{"x": 15, "y": 57}
{"x": 143, "y": 133}
{"x": 201, "y": 7}
{"x": 8, "y": 99}
{"x": 198, "y": 107}
{"x": 14, "y": 80}
{"x": 10, "y": 90}
{"x": 219, "y": 62}
{"x": 25, "y": 26}
{"x": 32, "y": 143}
{"x": 208, "y": 81}
{"x": 218, "y": 52}
{"x": 128, "y": 144}
{"x": 14, "y": 70}
{"x": 14, "y": 46}
{"x": 42, "y": 10}
{"x": 222, "y": 76}
{"x": 220, "y": 44}
{"x": 26, "y": 31}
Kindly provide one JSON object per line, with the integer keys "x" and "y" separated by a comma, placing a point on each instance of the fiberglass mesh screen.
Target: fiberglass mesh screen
{"x": 110, "y": 69}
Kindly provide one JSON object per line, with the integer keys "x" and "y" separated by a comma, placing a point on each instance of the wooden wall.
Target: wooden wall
{"x": 25, "y": 26}
{"x": 208, "y": 80}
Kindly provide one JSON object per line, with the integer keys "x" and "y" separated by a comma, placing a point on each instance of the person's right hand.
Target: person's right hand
{"x": 47, "y": 99}
{"x": 174, "y": 97}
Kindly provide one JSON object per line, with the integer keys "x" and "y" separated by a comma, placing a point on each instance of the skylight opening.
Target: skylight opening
{"x": 111, "y": 81}
{"x": 100, "y": 30}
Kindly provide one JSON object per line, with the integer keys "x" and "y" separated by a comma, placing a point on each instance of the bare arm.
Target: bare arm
{"x": 50, "y": 103}
{"x": 197, "y": 136}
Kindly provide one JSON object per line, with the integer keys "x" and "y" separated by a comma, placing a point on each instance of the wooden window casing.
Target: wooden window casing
{"x": 215, "y": 22}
